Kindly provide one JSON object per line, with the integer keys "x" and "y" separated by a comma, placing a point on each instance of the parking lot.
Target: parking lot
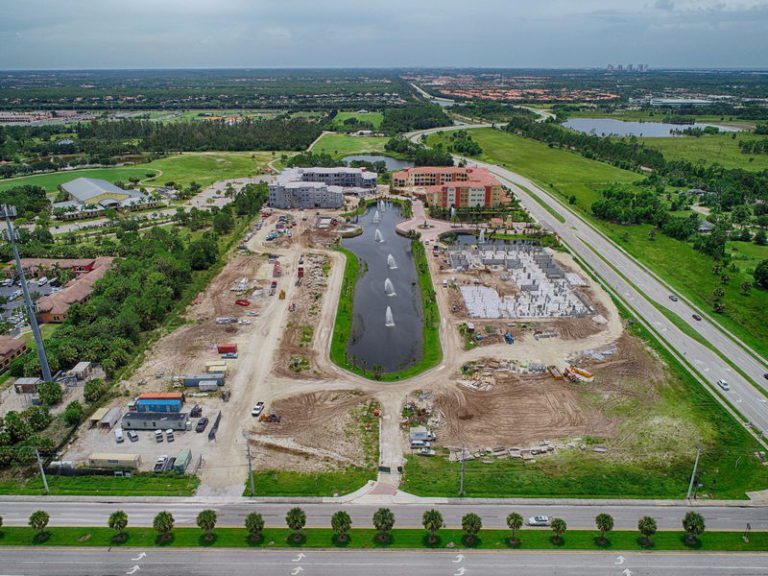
{"x": 100, "y": 440}
{"x": 15, "y": 298}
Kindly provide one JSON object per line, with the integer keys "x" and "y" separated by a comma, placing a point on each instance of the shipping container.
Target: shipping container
{"x": 183, "y": 459}
{"x": 194, "y": 380}
{"x": 216, "y": 369}
{"x": 227, "y": 347}
{"x": 162, "y": 396}
{"x": 116, "y": 461}
{"x": 208, "y": 386}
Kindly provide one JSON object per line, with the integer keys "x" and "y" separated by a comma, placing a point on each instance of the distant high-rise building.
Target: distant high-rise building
{"x": 630, "y": 67}
{"x": 610, "y": 67}
{"x": 620, "y": 68}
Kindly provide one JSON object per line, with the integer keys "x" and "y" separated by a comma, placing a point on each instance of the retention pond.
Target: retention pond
{"x": 387, "y": 324}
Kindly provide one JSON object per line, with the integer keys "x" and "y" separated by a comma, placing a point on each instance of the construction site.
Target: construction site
{"x": 535, "y": 362}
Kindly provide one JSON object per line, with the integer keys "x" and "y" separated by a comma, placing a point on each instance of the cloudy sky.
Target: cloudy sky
{"x": 336, "y": 33}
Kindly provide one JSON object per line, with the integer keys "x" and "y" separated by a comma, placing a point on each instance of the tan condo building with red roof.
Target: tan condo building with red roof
{"x": 447, "y": 186}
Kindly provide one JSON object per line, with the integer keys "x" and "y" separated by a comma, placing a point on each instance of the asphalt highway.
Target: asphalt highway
{"x": 234, "y": 562}
{"x": 83, "y": 513}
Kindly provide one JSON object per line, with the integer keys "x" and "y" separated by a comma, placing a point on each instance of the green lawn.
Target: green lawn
{"x": 747, "y": 255}
{"x": 688, "y": 271}
{"x": 375, "y": 118}
{"x": 294, "y": 484}
{"x": 136, "y": 485}
{"x": 51, "y": 181}
{"x": 340, "y": 145}
{"x": 721, "y": 148}
{"x": 450, "y": 538}
{"x": 205, "y": 168}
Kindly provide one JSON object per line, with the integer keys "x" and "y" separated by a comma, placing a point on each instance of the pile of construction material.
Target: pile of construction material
{"x": 500, "y": 453}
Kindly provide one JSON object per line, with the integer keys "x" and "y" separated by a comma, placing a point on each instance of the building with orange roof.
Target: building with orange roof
{"x": 55, "y": 307}
{"x": 447, "y": 186}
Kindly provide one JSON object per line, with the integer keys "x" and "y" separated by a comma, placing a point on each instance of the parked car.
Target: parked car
{"x": 696, "y": 317}
{"x": 724, "y": 385}
{"x": 169, "y": 435}
{"x": 160, "y": 463}
{"x": 538, "y": 521}
{"x": 765, "y": 375}
{"x": 673, "y": 298}
{"x": 201, "y": 424}
{"x": 158, "y": 436}
{"x": 119, "y": 438}
{"x": 132, "y": 436}
{"x": 196, "y": 411}
{"x": 258, "y": 409}
{"x": 426, "y": 452}
{"x": 42, "y": 281}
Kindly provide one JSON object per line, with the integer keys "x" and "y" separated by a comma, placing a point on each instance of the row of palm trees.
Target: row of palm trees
{"x": 383, "y": 521}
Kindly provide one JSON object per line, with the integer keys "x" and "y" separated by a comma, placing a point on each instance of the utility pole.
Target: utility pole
{"x": 461, "y": 474}
{"x": 42, "y": 471}
{"x": 250, "y": 470}
{"x": 8, "y": 211}
{"x": 693, "y": 474}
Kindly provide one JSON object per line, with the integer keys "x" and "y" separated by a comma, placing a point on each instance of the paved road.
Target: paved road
{"x": 641, "y": 289}
{"x": 234, "y": 562}
{"x": 95, "y": 513}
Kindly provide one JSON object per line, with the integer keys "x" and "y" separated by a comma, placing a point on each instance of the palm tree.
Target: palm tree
{"x": 118, "y": 521}
{"x": 514, "y": 522}
{"x": 604, "y": 523}
{"x": 471, "y": 524}
{"x": 206, "y": 521}
{"x": 383, "y": 521}
{"x": 254, "y": 524}
{"x": 296, "y": 519}
{"x": 163, "y": 525}
{"x": 38, "y": 521}
{"x": 694, "y": 526}
{"x": 341, "y": 524}
{"x": 432, "y": 521}
{"x": 647, "y": 527}
{"x": 558, "y": 529}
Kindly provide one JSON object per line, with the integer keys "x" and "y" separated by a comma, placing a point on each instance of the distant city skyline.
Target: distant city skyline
{"x": 83, "y": 34}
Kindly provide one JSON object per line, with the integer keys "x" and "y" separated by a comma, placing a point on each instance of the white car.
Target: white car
{"x": 724, "y": 385}
{"x": 538, "y": 521}
{"x": 258, "y": 409}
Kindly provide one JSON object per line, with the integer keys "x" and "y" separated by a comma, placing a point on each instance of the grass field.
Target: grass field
{"x": 51, "y": 181}
{"x": 722, "y": 149}
{"x": 375, "y": 118}
{"x": 340, "y": 145}
{"x": 205, "y": 168}
{"x": 364, "y": 538}
{"x": 295, "y": 484}
{"x": 688, "y": 271}
{"x": 136, "y": 485}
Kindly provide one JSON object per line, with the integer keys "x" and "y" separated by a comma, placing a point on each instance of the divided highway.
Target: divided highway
{"x": 234, "y": 562}
{"x": 644, "y": 292}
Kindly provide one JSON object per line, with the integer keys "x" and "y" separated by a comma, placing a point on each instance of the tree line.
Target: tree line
{"x": 383, "y": 520}
{"x": 419, "y": 154}
{"x": 413, "y": 116}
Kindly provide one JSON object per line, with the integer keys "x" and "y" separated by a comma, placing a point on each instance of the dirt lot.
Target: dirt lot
{"x": 318, "y": 431}
{"x": 521, "y": 410}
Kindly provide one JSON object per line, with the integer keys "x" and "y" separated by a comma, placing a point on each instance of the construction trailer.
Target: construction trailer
{"x": 154, "y": 421}
{"x": 114, "y": 461}
{"x": 162, "y": 396}
{"x": 159, "y": 405}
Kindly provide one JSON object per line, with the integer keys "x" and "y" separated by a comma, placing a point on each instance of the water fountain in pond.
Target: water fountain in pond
{"x": 377, "y": 236}
{"x": 389, "y": 288}
{"x": 453, "y": 213}
{"x": 391, "y": 262}
{"x": 390, "y": 320}
{"x": 481, "y": 240}
{"x": 376, "y": 217}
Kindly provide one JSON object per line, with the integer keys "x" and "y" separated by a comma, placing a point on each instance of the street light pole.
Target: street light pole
{"x": 8, "y": 211}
